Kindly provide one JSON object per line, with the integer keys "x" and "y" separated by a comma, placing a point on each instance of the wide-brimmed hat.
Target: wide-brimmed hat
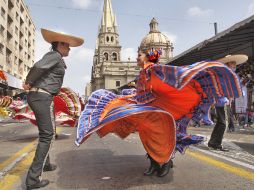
{"x": 238, "y": 59}
{"x": 132, "y": 84}
{"x": 51, "y": 36}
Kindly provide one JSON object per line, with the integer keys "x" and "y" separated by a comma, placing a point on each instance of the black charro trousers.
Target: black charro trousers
{"x": 42, "y": 105}
{"x": 219, "y": 128}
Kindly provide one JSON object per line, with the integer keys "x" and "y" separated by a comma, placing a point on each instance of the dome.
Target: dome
{"x": 154, "y": 38}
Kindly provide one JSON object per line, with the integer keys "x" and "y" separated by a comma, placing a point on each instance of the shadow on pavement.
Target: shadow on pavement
{"x": 21, "y": 138}
{"x": 248, "y": 147}
{"x": 84, "y": 169}
{"x": 62, "y": 136}
{"x": 30, "y": 137}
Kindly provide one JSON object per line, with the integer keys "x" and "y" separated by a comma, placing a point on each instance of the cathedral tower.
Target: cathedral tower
{"x": 107, "y": 45}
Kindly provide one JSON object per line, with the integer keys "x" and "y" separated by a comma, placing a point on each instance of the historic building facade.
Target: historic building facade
{"x": 109, "y": 71}
{"x": 17, "y": 40}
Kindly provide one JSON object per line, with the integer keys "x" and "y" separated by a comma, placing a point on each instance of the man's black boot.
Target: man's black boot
{"x": 49, "y": 168}
{"x": 217, "y": 147}
{"x": 38, "y": 185}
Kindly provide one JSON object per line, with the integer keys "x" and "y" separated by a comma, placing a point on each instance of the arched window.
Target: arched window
{"x": 112, "y": 39}
{"x": 114, "y": 56}
{"x": 107, "y": 39}
{"x": 106, "y": 56}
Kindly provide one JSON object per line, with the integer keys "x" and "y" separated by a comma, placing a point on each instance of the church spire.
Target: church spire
{"x": 108, "y": 21}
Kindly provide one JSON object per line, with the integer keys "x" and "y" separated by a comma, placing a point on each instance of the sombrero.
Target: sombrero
{"x": 51, "y": 36}
{"x": 239, "y": 59}
{"x": 132, "y": 84}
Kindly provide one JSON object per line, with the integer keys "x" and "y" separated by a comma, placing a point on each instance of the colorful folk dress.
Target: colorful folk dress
{"x": 165, "y": 100}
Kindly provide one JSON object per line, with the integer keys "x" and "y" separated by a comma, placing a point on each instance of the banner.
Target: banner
{"x": 13, "y": 81}
{"x": 241, "y": 103}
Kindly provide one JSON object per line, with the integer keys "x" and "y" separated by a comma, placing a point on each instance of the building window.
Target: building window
{"x": 118, "y": 83}
{"x": 16, "y": 30}
{"x": 16, "y": 60}
{"x": 1, "y": 48}
{"x": 107, "y": 39}
{"x": 106, "y": 56}
{"x": 8, "y": 57}
{"x": 17, "y": 16}
{"x": 112, "y": 39}
{"x": 114, "y": 56}
{"x": 2, "y": 30}
{"x": 22, "y": 9}
{"x": 16, "y": 45}
{"x": 2, "y": 12}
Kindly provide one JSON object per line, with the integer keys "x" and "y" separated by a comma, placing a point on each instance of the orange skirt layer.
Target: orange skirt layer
{"x": 157, "y": 131}
{"x": 176, "y": 102}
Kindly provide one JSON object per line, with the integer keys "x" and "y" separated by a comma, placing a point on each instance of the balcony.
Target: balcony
{"x": 22, "y": 30}
{"x": 30, "y": 52}
{"x": 2, "y": 39}
{"x": 21, "y": 56}
{"x": 16, "y": 51}
{"x": 29, "y": 41}
{"x": 8, "y": 62}
{"x": 21, "y": 43}
{"x": 10, "y": 45}
{"x": 11, "y": 15}
{"x": 21, "y": 70}
{"x": 10, "y": 29}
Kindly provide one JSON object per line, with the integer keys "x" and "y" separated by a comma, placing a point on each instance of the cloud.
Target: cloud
{"x": 198, "y": 12}
{"x": 172, "y": 37}
{"x": 128, "y": 53}
{"x": 250, "y": 9}
{"x": 79, "y": 64}
{"x": 80, "y": 54}
{"x": 83, "y": 4}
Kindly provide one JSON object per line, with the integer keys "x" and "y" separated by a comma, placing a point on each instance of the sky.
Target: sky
{"x": 185, "y": 22}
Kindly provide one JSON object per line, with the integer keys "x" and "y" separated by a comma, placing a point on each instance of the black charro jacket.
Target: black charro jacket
{"x": 48, "y": 73}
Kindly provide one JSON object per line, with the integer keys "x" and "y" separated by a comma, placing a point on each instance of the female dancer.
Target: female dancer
{"x": 166, "y": 99}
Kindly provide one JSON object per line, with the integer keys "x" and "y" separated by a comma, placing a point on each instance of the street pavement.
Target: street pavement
{"x": 113, "y": 163}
